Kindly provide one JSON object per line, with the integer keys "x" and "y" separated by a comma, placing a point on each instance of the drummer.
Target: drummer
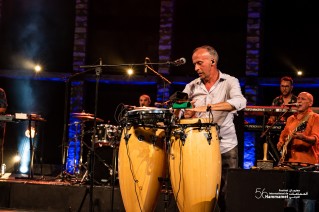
{"x": 221, "y": 94}
{"x": 145, "y": 100}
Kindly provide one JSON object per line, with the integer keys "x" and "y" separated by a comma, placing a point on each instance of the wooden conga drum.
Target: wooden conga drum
{"x": 195, "y": 165}
{"x": 140, "y": 165}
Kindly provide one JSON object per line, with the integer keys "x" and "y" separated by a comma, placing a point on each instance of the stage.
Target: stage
{"x": 248, "y": 190}
{"x": 51, "y": 194}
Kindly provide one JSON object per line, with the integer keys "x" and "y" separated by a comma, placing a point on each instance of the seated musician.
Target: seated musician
{"x": 145, "y": 100}
{"x": 286, "y": 97}
{"x": 299, "y": 141}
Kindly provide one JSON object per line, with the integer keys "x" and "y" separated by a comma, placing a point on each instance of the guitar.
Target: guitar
{"x": 300, "y": 128}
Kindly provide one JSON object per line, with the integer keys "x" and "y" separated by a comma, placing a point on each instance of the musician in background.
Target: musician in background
{"x": 299, "y": 141}
{"x": 145, "y": 100}
{"x": 3, "y": 108}
{"x": 222, "y": 94}
{"x": 286, "y": 97}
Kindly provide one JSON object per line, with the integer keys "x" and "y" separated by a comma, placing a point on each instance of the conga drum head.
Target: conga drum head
{"x": 148, "y": 116}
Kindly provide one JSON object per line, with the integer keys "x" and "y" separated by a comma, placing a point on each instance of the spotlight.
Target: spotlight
{"x": 37, "y": 68}
{"x": 24, "y": 169}
{"x": 16, "y": 162}
{"x": 16, "y": 158}
{"x": 130, "y": 71}
{"x": 299, "y": 73}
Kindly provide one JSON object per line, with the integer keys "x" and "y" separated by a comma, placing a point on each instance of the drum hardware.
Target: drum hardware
{"x": 141, "y": 137}
{"x": 181, "y": 134}
{"x": 208, "y": 136}
{"x": 126, "y": 134}
{"x": 107, "y": 135}
{"x": 153, "y": 139}
{"x": 86, "y": 176}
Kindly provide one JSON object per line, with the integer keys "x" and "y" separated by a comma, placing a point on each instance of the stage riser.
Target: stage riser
{"x": 65, "y": 198}
{"x": 244, "y": 186}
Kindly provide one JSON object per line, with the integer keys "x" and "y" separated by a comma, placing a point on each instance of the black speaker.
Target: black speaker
{"x": 248, "y": 190}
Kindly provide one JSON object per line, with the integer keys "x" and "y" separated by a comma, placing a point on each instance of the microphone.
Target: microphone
{"x": 145, "y": 62}
{"x": 178, "y": 62}
{"x": 292, "y": 104}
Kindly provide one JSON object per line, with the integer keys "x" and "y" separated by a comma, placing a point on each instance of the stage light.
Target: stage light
{"x": 130, "y": 71}
{"x": 299, "y": 73}
{"x": 16, "y": 158}
{"x": 27, "y": 132}
{"x": 37, "y": 68}
{"x": 24, "y": 169}
{"x": 24, "y": 152}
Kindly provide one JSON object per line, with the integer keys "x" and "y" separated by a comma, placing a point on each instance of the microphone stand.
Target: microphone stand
{"x": 266, "y": 132}
{"x": 158, "y": 74}
{"x": 98, "y": 70}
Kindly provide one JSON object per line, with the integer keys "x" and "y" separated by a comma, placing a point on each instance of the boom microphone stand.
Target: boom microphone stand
{"x": 98, "y": 70}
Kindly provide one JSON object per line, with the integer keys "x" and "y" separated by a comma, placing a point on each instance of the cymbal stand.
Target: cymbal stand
{"x": 77, "y": 168}
{"x": 65, "y": 140}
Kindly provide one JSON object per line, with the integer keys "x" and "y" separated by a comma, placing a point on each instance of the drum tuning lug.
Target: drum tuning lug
{"x": 172, "y": 156}
{"x": 153, "y": 139}
{"x": 209, "y": 137}
{"x": 183, "y": 138}
{"x": 127, "y": 137}
{"x": 140, "y": 138}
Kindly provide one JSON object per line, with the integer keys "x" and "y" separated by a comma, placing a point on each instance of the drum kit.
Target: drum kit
{"x": 153, "y": 145}
{"x": 107, "y": 136}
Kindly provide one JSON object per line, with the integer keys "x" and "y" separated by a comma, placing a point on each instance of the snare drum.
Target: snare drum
{"x": 107, "y": 135}
{"x": 149, "y": 116}
{"x": 195, "y": 165}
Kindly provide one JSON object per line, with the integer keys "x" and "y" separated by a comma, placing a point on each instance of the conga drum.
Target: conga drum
{"x": 195, "y": 165}
{"x": 141, "y": 161}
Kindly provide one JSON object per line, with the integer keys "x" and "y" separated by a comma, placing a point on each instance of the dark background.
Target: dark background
{"x": 127, "y": 32}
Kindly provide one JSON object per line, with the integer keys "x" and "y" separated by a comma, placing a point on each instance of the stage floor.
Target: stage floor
{"x": 53, "y": 194}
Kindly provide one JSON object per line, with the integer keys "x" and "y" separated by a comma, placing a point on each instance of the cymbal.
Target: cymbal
{"x": 82, "y": 114}
{"x": 88, "y": 118}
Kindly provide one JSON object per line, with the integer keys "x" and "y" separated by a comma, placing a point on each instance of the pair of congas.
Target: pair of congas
{"x": 189, "y": 151}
